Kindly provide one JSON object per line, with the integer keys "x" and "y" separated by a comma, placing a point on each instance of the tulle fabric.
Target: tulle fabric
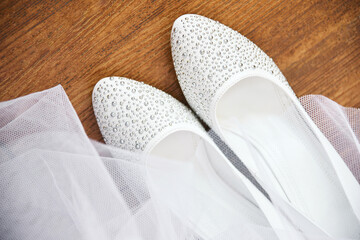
{"x": 340, "y": 125}
{"x": 56, "y": 183}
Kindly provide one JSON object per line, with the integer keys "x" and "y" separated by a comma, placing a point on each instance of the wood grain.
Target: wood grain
{"x": 75, "y": 43}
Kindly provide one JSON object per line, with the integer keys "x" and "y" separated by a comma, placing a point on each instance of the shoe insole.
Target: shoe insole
{"x": 264, "y": 128}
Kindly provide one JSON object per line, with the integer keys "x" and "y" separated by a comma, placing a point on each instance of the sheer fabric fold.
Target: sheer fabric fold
{"x": 56, "y": 183}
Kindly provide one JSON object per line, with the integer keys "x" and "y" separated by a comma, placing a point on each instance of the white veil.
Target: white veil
{"x": 56, "y": 183}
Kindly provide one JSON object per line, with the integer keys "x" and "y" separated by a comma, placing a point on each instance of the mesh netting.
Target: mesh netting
{"x": 56, "y": 183}
{"x": 340, "y": 125}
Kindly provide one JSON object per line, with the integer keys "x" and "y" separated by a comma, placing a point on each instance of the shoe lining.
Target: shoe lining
{"x": 264, "y": 128}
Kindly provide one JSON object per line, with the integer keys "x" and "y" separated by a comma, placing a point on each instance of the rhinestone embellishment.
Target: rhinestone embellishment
{"x": 218, "y": 53}
{"x": 136, "y": 112}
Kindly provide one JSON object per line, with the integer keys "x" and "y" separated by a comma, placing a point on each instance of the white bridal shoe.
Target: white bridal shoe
{"x": 137, "y": 117}
{"x": 242, "y": 95}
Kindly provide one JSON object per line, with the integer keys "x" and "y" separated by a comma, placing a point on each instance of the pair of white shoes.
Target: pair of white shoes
{"x": 241, "y": 94}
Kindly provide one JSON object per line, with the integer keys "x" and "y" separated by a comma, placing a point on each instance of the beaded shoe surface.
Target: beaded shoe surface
{"x": 207, "y": 54}
{"x": 132, "y": 114}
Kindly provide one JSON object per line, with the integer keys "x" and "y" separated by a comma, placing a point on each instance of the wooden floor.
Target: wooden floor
{"x": 43, "y": 43}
